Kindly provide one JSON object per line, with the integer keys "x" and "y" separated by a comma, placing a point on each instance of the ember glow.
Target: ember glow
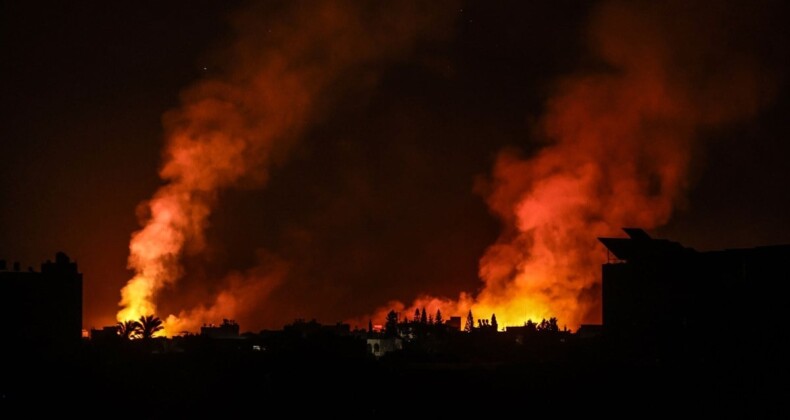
{"x": 232, "y": 128}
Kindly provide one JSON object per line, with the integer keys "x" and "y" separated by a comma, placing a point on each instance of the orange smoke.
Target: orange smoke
{"x": 240, "y": 296}
{"x": 230, "y": 129}
{"x": 617, "y": 148}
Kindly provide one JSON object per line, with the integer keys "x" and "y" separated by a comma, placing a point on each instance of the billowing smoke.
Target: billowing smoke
{"x": 287, "y": 62}
{"x": 617, "y": 142}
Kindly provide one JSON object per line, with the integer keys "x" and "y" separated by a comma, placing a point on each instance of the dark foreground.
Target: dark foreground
{"x": 179, "y": 384}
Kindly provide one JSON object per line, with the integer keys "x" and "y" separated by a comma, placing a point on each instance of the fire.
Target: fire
{"x": 231, "y": 129}
{"x": 617, "y": 147}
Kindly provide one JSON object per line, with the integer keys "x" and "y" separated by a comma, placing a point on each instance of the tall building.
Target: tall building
{"x": 660, "y": 296}
{"x": 42, "y": 310}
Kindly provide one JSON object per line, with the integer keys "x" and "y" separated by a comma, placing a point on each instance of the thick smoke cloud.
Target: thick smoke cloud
{"x": 617, "y": 141}
{"x": 373, "y": 216}
{"x": 280, "y": 74}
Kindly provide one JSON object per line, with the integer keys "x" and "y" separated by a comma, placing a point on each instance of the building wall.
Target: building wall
{"x": 45, "y": 307}
{"x": 380, "y": 346}
{"x": 666, "y": 298}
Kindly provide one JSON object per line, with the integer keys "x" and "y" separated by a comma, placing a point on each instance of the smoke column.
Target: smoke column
{"x": 280, "y": 74}
{"x": 616, "y": 147}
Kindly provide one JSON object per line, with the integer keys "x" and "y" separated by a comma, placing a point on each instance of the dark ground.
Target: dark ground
{"x": 180, "y": 384}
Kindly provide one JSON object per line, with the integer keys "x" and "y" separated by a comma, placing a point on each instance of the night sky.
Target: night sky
{"x": 380, "y": 198}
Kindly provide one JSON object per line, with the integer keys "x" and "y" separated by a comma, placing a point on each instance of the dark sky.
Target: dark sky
{"x": 387, "y": 177}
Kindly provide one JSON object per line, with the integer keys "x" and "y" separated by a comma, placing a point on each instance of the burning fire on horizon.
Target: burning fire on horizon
{"x": 617, "y": 144}
{"x": 231, "y": 129}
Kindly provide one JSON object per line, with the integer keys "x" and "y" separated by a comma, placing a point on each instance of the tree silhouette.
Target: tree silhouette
{"x": 494, "y": 323}
{"x": 416, "y": 315}
{"x": 530, "y": 325}
{"x": 548, "y": 326}
{"x": 438, "y": 318}
{"x": 391, "y": 327}
{"x": 129, "y": 329}
{"x": 470, "y": 322}
{"x": 423, "y": 317}
{"x": 553, "y": 324}
{"x": 543, "y": 325}
{"x": 150, "y": 325}
{"x": 370, "y": 325}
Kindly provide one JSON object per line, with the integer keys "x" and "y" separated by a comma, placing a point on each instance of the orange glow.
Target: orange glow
{"x": 617, "y": 151}
{"x": 231, "y": 129}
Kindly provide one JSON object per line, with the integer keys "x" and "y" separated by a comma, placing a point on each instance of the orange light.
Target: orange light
{"x": 230, "y": 129}
{"x": 616, "y": 153}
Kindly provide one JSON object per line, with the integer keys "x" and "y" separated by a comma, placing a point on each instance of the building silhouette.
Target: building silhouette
{"x": 227, "y": 330}
{"x": 454, "y": 323}
{"x": 662, "y": 297}
{"x": 379, "y": 346}
{"x": 43, "y": 309}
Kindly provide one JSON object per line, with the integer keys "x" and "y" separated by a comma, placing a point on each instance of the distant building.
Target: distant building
{"x": 588, "y": 331}
{"x": 658, "y": 294}
{"x": 380, "y": 346}
{"x": 521, "y": 329}
{"x": 228, "y": 329}
{"x": 454, "y": 323}
{"x": 314, "y": 328}
{"x": 45, "y": 306}
{"x": 108, "y": 333}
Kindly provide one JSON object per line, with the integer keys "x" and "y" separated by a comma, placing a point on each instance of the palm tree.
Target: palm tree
{"x": 149, "y": 325}
{"x": 129, "y": 329}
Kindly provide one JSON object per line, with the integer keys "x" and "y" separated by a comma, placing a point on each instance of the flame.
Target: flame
{"x": 616, "y": 148}
{"x": 232, "y": 128}
{"x": 616, "y": 153}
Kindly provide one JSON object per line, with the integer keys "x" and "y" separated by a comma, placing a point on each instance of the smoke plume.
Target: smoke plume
{"x": 281, "y": 72}
{"x": 616, "y": 143}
